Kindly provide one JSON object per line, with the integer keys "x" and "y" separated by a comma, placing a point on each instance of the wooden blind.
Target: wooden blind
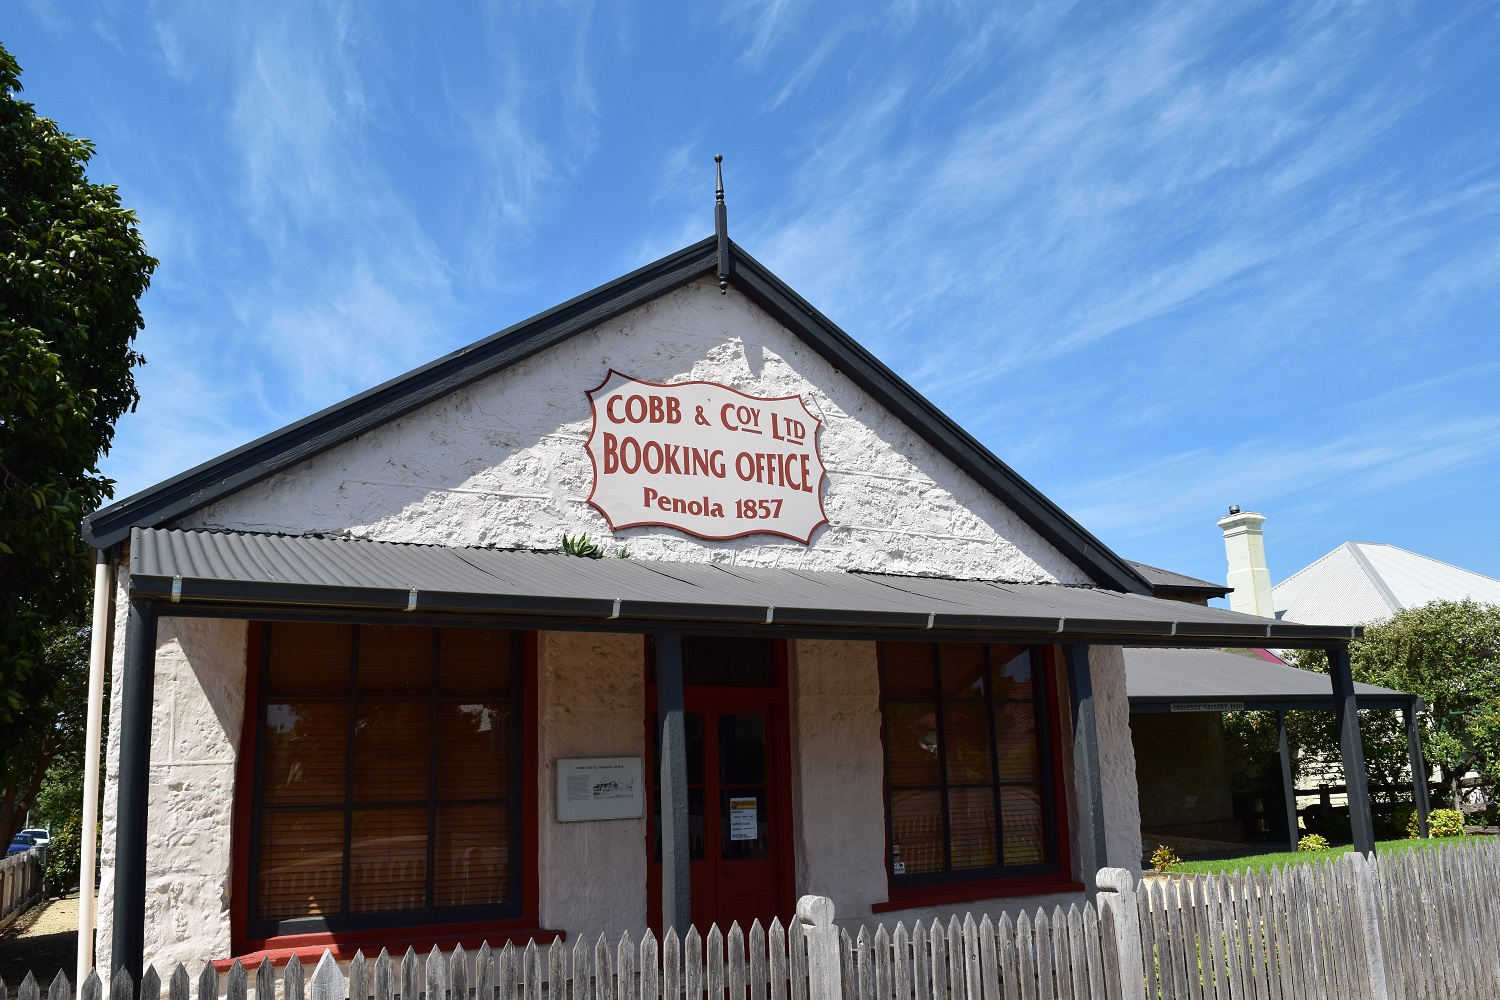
{"x": 386, "y": 770}
{"x": 964, "y": 755}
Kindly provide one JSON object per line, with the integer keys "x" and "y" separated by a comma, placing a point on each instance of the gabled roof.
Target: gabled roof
{"x": 1165, "y": 583}
{"x": 182, "y": 494}
{"x": 1370, "y": 581}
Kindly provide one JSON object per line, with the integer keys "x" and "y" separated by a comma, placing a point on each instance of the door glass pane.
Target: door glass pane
{"x": 472, "y": 862}
{"x": 742, "y": 749}
{"x": 392, "y": 740}
{"x": 971, "y": 822}
{"x": 717, "y": 661}
{"x": 1021, "y": 813}
{"x": 306, "y": 752}
{"x": 917, "y": 830}
{"x": 388, "y": 860}
{"x": 743, "y": 824}
{"x": 912, "y": 744}
{"x": 301, "y": 863}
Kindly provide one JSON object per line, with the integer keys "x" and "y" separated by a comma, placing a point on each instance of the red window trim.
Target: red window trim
{"x": 343, "y": 944}
{"x": 959, "y": 891}
{"x": 969, "y": 892}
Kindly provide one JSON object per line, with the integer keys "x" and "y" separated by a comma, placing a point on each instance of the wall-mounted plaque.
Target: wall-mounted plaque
{"x": 705, "y": 459}
{"x": 599, "y": 788}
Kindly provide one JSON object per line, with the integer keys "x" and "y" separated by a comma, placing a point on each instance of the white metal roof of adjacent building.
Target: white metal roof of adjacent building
{"x": 1370, "y": 581}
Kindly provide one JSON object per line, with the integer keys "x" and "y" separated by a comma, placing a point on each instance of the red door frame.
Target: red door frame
{"x": 778, "y": 779}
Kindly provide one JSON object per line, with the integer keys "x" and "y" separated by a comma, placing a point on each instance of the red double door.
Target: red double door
{"x": 739, "y": 788}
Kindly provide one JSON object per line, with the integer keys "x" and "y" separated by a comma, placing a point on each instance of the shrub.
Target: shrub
{"x": 1445, "y": 823}
{"x": 1312, "y": 842}
{"x": 60, "y": 869}
{"x": 1164, "y": 859}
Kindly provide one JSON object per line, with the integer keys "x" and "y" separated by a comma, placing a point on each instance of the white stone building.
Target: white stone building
{"x": 359, "y": 693}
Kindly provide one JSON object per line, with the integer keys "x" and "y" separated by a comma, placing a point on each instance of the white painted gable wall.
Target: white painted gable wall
{"x": 502, "y": 462}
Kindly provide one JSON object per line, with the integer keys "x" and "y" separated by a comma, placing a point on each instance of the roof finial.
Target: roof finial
{"x": 721, "y": 226}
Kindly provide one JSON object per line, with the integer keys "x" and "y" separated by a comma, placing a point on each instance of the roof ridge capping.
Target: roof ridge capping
{"x": 197, "y": 487}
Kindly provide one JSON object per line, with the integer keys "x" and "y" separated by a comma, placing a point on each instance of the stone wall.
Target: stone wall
{"x": 1183, "y": 771}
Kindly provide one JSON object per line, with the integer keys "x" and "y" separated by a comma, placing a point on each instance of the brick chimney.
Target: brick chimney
{"x": 1249, "y": 578}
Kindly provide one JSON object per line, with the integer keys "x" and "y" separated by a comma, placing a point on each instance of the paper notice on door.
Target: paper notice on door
{"x": 742, "y": 820}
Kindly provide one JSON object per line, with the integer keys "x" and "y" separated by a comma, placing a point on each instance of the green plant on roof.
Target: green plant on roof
{"x": 581, "y": 546}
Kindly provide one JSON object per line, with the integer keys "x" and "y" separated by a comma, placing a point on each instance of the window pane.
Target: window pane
{"x": 306, "y": 752}
{"x": 962, "y": 671}
{"x": 1015, "y": 739}
{"x": 473, "y": 750}
{"x": 917, "y": 830}
{"x": 911, "y": 741}
{"x": 395, "y": 658}
{"x": 742, "y": 749}
{"x": 309, "y": 658}
{"x": 971, "y": 822}
{"x": 388, "y": 860}
{"x": 475, "y": 662}
{"x": 908, "y": 670}
{"x": 1021, "y": 814}
{"x": 392, "y": 743}
{"x": 472, "y": 865}
{"x": 301, "y": 863}
{"x": 737, "y": 802}
{"x": 1012, "y": 672}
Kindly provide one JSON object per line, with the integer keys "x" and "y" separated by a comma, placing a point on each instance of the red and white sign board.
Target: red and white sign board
{"x": 705, "y": 459}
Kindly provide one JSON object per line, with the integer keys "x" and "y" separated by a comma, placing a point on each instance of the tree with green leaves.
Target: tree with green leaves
{"x": 72, "y": 269}
{"x": 1448, "y": 653}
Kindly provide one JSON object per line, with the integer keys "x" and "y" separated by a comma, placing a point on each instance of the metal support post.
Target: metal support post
{"x": 1287, "y": 784}
{"x": 1346, "y": 711}
{"x": 676, "y": 884}
{"x": 128, "y": 943}
{"x": 1092, "y": 843}
{"x": 1418, "y": 768}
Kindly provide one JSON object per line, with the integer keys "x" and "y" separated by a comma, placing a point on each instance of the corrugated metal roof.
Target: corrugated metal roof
{"x": 1370, "y": 581}
{"x": 281, "y": 571}
{"x": 1186, "y": 676}
{"x": 1165, "y": 580}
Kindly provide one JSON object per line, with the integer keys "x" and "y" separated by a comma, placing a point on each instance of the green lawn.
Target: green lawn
{"x": 1279, "y": 858}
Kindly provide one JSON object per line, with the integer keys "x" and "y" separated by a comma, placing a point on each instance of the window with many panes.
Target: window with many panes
{"x": 387, "y": 757}
{"x": 969, "y": 771}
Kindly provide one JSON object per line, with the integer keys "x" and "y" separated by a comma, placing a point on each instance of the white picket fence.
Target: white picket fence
{"x": 1414, "y": 925}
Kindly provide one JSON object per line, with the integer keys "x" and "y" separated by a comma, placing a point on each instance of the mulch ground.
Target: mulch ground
{"x": 42, "y": 941}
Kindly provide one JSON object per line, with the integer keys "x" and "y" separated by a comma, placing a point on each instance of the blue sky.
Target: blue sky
{"x": 1160, "y": 259}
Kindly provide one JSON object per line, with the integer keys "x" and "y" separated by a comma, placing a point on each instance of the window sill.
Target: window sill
{"x": 970, "y": 892}
{"x": 309, "y": 948}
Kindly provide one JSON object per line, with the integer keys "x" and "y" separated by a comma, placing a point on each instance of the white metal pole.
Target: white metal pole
{"x": 98, "y": 645}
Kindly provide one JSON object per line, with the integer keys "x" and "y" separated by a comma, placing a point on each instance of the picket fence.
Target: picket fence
{"x": 1414, "y": 925}
{"x": 20, "y": 884}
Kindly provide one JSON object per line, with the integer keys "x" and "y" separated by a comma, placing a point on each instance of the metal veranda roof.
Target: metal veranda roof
{"x": 1165, "y": 680}
{"x": 249, "y": 575}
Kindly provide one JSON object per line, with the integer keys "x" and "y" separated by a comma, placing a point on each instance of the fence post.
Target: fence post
{"x": 1369, "y": 923}
{"x": 815, "y": 914}
{"x": 1116, "y": 900}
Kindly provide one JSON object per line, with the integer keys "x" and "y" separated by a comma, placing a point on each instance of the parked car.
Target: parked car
{"x": 39, "y": 836}
{"x": 20, "y": 844}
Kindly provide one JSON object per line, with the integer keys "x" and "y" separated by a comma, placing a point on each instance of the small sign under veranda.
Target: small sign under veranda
{"x": 705, "y": 459}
